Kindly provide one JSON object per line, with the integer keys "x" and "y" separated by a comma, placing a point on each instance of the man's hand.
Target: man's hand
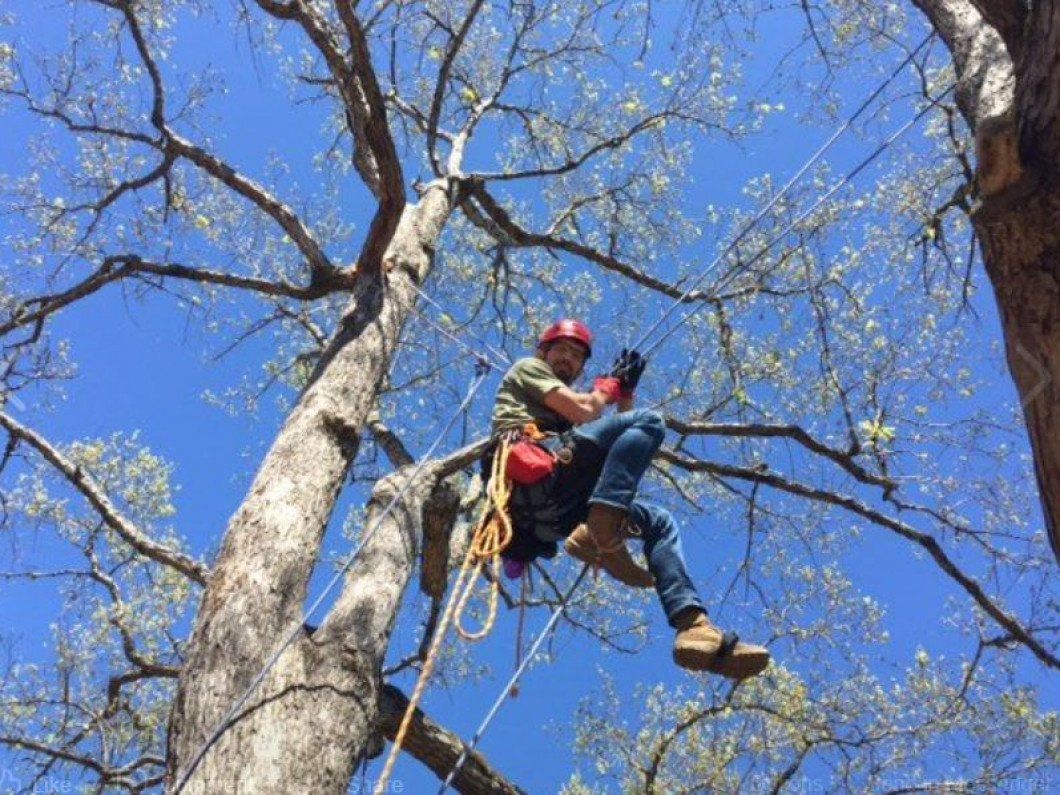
{"x": 609, "y": 386}
{"x": 628, "y": 368}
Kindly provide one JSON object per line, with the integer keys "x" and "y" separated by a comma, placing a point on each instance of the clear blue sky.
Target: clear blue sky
{"x": 143, "y": 365}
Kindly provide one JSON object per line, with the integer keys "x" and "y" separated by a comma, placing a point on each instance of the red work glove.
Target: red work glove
{"x": 609, "y": 386}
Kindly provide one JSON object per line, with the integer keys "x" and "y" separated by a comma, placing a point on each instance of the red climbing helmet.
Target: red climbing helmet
{"x": 568, "y": 330}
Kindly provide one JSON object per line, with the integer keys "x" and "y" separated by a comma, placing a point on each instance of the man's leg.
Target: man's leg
{"x": 627, "y": 442}
{"x": 699, "y": 645}
{"x": 666, "y": 561}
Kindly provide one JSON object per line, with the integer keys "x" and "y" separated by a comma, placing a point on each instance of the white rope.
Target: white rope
{"x": 470, "y": 746}
{"x": 498, "y": 352}
{"x": 847, "y": 178}
{"x": 842, "y": 128}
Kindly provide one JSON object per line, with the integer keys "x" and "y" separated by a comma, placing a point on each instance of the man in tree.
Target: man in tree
{"x": 591, "y": 496}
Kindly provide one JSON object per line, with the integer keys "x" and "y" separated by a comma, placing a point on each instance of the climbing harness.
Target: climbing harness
{"x": 298, "y": 628}
{"x": 528, "y": 462}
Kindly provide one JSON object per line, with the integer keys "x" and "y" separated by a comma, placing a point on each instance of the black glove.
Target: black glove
{"x": 628, "y": 368}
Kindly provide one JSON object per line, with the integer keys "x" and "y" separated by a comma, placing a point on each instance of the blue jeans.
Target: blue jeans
{"x": 624, "y": 445}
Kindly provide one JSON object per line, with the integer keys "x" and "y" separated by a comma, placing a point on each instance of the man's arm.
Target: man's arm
{"x": 579, "y": 407}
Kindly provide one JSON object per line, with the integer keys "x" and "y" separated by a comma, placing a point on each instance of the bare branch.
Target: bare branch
{"x": 84, "y": 483}
{"x": 375, "y": 155}
{"x": 461, "y": 459}
{"x": 793, "y": 432}
{"x": 574, "y": 163}
{"x": 320, "y": 266}
{"x": 389, "y": 441}
{"x": 370, "y": 116}
{"x": 57, "y": 113}
{"x": 391, "y": 180}
{"x": 36, "y": 310}
{"x": 114, "y": 777}
{"x": 499, "y": 223}
{"x": 439, "y": 749}
{"x": 61, "y": 754}
{"x": 172, "y": 145}
{"x": 442, "y": 83}
{"x": 158, "y": 116}
{"x": 928, "y": 543}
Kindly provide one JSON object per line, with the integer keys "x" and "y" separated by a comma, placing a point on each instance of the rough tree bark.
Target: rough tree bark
{"x": 310, "y": 720}
{"x": 1007, "y": 60}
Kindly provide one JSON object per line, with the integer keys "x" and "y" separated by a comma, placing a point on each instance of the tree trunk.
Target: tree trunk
{"x": 1021, "y": 249}
{"x": 307, "y": 724}
{"x": 1007, "y": 58}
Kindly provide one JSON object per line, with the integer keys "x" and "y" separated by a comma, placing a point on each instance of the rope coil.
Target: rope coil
{"x": 492, "y": 534}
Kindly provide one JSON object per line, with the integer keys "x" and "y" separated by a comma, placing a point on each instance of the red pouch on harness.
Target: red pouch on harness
{"x": 529, "y": 463}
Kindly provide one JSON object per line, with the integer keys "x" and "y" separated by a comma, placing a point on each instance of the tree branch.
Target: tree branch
{"x": 375, "y": 155}
{"x": 172, "y": 145}
{"x": 794, "y": 432}
{"x": 158, "y": 116}
{"x": 34, "y": 311}
{"x": 389, "y": 442}
{"x": 61, "y": 754}
{"x": 146, "y": 667}
{"x": 499, "y": 223}
{"x": 1007, "y": 18}
{"x": 461, "y": 459}
{"x": 320, "y": 266}
{"x": 114, "y": 777}
{"x": 370, "y": 117}
{"x": 983, "y": 66}
{"x": 376, "y": 130}
{"x": 442, "y": 83}
{"x": 84, "y": 483}
{"x": 926, "y": 542}
{"x": 574, "y": 163}
{"x": 439, "y": 749}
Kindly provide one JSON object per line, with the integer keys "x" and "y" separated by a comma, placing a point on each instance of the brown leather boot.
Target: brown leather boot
{"x": 701, "y": 646}
{"x": 601, "y": 542}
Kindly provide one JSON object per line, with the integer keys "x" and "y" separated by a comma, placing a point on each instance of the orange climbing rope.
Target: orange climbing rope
{"x": 492, "y": 534}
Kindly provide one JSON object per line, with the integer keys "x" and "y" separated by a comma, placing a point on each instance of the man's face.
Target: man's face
{"x": 566, "y": 358}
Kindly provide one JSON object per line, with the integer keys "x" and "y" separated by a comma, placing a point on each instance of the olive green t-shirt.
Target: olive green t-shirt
{"x": 521, "y": 397}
